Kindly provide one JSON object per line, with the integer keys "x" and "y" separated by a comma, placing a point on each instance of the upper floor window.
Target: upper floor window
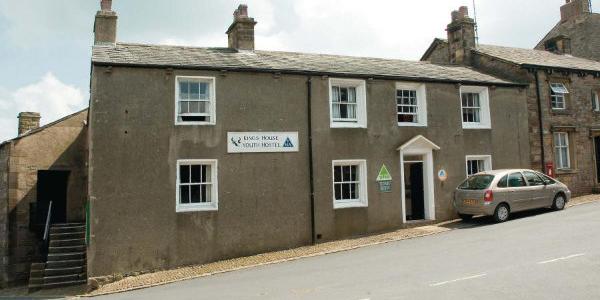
{"x": 561, "y": 150}
{"x": 349, "y": 183}
{"x": 347, "y": 98}
{"x": 478, "y": 163}
{"x": 195, "y": 101}
{"x": 558, "y": 92}
{"x": 596, "y": 100}
{"x": 411, "y": 104}
{"x": 196, "y": 185}
{"x": 475, "y": 107}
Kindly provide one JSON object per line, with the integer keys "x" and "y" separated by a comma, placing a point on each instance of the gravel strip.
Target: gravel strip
{"x": 190, "y": 272}
{"x": 184, "y": 273}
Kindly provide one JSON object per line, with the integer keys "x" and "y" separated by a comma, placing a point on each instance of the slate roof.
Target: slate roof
{"x": 540, "y": 58}
{"x": 284, "y": 62}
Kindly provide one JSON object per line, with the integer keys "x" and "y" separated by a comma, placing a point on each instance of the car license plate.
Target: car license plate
{"x": 470, "y": 202}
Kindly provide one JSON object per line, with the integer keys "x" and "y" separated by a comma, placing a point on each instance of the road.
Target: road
{"x": 540, "y": 255}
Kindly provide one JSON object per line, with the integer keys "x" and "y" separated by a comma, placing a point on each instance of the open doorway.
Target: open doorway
{"x": 414, "y": 193}
{"x": 52, "y": 186}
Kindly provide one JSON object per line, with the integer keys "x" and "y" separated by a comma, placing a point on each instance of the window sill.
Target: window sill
{"x": 194, "y": 124}
{"x": 195, "y": 208}
{"x": 405, "y": 124}
{"x": 566, "y": 171}
{"x": 560, "y": 112}
{"x": 347, "y": 125}
{"x": 475, "y": 126}
{"x": 354, "y": 204}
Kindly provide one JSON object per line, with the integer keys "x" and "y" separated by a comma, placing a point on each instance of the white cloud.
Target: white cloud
{"x": 50, "y": 97}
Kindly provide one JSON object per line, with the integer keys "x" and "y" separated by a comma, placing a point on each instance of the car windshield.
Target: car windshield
{"x": 477, "y": 182}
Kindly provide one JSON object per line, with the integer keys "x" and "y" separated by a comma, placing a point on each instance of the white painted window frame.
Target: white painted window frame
{"x": 487, "y": 162}
{"x": 557, "y": 147}
{"x": 421, "y": 92}
{"x": 556, "y": 96}
{"x": 212, "y": 82}
{"x": 208, "y": 206}
{"x": 361, "y": 102}
{"x": 363, "y": 200}
{"x": 485, "y": 121}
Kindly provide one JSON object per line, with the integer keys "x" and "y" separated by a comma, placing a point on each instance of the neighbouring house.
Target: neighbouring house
{"x": 577, "y": 33}
{"x": 41, "y": 165}
{"x": 562, "y": 97}
{"x": 201, "y": 154}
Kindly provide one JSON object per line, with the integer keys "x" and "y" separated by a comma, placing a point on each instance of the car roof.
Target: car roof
{"x": 503, "y": 171}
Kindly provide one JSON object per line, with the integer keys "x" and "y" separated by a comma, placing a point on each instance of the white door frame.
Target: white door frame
{"x": 421, "y": 146}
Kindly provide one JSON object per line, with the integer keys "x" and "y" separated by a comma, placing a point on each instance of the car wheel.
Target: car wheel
{"x": 501, "y": 213}
{"x": 559, "y": 202}
{"x": 465, "y": 217}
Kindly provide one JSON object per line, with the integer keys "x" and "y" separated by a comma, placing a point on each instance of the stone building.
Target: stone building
{"x": 42, "y": 164}
{"x": 562, "y": 99}
{"x": 201, "y": 154}
{"x": 577, "y": 33}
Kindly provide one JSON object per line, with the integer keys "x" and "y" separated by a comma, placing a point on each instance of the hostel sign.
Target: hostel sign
{"x": 260, "y": 142}
{"x": 384, "y": 178}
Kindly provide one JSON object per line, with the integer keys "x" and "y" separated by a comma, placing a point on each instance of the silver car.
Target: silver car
{"x": 501, "y": 192}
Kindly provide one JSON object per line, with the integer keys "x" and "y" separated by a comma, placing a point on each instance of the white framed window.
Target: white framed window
{"x": 195, "y": 100}
{"x": 562, "y": 157}
{"x": 478, "y": 163}
{"x": 558, "y": 92}
{"x": 197, "y": 185}
{"x": 347, "y": 103}
{"x": 411, "y": 104}
{"x": 596, "y": 100}
{"x": 475, "y": 107}
{"x": 349, "y": 183}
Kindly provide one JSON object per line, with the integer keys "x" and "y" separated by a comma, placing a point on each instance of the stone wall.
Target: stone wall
{"x": 4, "y": 153}
{"x": 58, "y": 146}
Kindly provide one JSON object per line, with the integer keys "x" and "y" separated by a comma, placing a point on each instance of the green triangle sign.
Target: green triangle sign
{"x": 384, "y": 174}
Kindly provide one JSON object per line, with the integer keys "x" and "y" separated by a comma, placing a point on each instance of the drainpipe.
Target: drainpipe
{"x": 310, "y": 157}
{"x": 540, "y": 118}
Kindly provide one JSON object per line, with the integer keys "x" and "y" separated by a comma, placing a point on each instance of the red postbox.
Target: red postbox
{"x": 550, "y": 169}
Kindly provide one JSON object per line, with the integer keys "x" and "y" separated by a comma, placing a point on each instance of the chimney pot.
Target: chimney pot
{"x": 28, "y": 121}
{"x": 106, "y": 5}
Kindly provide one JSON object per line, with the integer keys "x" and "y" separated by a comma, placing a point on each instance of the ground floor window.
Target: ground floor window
{"x": 349, "y": 183}
{"x": 196, "y": 185}
{"x": 561, "y": 150}
{"x": 478, "y": 163}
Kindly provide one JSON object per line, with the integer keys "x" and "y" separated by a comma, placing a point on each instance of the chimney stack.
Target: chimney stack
{"x": 241, "y": 32}
{"x": 28, "y": 121}
{"x": 461, "y": 36}
{"x": 105, "y": 27}
{"x": 573, "y": 9}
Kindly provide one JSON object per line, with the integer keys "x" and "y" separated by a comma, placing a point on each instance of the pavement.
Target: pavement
{"x": 536, "y": 255}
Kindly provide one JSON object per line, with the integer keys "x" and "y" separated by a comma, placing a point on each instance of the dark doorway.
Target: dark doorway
{"x": 597, "y": 148}
{"x": 414, "y": 191}
{"x": 52, "y": 186}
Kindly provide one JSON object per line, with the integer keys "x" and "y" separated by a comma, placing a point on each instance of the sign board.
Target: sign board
{"x": 384, "y": 174}
{"x": 442, "y": 175}
{"x": 385, "y": 186}
{"x": 257, "y": 142}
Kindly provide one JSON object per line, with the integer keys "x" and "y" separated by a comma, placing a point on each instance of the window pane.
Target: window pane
{"x": 195, "y": 193}
{"x": 351, "y": 111}
{"x": 346, "y": 191}
{"x": 194, "y": 107}
{"x": 336, "y": 94}
{"x": 352, "y": 95}
{"x": 194, "y": 90}
{"x": 353, "y": 191}
{"x": 338, "y": 192}
{"x": 206, "y": 173}
{"x": 196, "y": 173}
{"x": 346, "y": 173}
{"x": 184, "y": 194}
{"x": 204, "y": 91}
{"x": 343, "y": 111}
{"x": 337, "y": 173}
{"x": 184, "y": 174}
{"x": 206, "y": 193}
{"x": 533, "y": 179}
{"x": 503, "y": 182}
{"x": 184, "y": 90}
{"x": 343, "y": 95}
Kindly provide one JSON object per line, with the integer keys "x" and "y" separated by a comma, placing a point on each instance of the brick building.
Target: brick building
{"x": 562, "y": 99}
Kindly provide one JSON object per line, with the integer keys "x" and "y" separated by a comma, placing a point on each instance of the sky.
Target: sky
{"x": 45, "y": 45}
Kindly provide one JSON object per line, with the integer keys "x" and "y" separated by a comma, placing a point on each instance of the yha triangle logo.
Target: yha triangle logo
{"x": 288, "y": 143}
